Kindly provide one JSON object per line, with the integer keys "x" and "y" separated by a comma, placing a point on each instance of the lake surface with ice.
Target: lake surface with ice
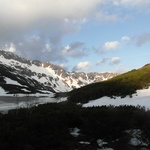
{"x": 14, "y": 101}
{"x": 8, "y": 102}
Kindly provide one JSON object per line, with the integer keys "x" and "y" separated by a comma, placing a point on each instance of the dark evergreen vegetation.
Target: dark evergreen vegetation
{"x": 48, "y": 126}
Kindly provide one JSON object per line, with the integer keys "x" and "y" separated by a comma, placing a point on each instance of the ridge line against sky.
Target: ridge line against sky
{"x": 87, "y": 35}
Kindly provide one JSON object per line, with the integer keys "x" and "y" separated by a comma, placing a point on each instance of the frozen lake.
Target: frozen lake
{"x": 12, "y": 102}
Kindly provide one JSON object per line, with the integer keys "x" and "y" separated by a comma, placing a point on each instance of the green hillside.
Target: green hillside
{"x": 121, "y": 85}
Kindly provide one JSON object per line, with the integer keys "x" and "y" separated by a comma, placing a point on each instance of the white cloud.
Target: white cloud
{"x": 115, "y": 60}
{"x": 10, "y": 48}
{"x": 111, "y": 45}
{"x": 23, "y": 13}
{"x": 125, "y": 38}
{"x": 82, "y": 66}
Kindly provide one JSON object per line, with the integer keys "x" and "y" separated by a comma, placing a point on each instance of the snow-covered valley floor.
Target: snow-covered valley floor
{"x": 141, "y": 98}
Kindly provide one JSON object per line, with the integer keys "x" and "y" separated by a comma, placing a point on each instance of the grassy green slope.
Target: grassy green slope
{"x": 121, "y": 85}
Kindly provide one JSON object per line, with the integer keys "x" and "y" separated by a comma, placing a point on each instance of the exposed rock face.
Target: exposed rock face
{"x": 36, "y": 75}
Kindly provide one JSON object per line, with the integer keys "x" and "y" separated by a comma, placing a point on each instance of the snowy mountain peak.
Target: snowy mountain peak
{"x": 18, "y": 74}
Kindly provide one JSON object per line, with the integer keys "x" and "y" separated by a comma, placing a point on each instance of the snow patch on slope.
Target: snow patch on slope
{"x": 2, "y": 92}
{"x": 10, "y": 81}
{"x": 141, "y": 98}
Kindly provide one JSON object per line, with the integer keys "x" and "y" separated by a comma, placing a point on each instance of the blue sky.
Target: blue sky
{"x": 87, "y": 35}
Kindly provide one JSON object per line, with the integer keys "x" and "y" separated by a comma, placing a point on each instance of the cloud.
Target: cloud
{"x": 21, "y": 13}
{"x": 125, "y": 38}
{"x": 115, "y": 60}
{"x": 107, "y": 17}
{"x": 111, "y": 45}
{"x": 134, "y": 4}
{"x": 121, "y": 10}
{"x": 107, "y": 46}
{"x": 75, "y": 49}
{"x": 10, "y": 48}
{"x": 142, "y": 39}
{"x": 110, "y": 61}
{"x": 137, "y": 3}
{"x": 37, "y": 28}
{"x": 103, "y": 61}
{"x": 127, "y": 10}
{"x": 82, "y": 66}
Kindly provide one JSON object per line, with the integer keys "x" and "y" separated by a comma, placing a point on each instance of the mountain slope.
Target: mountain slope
{"x": 121, "y": 85}
{"x": 19, "y": 75}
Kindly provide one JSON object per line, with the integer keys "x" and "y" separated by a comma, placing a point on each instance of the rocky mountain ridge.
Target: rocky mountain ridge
{"x": 18, "y": 74}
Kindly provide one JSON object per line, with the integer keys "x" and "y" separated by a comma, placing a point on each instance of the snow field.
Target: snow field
{"x": 141, "y": 98}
